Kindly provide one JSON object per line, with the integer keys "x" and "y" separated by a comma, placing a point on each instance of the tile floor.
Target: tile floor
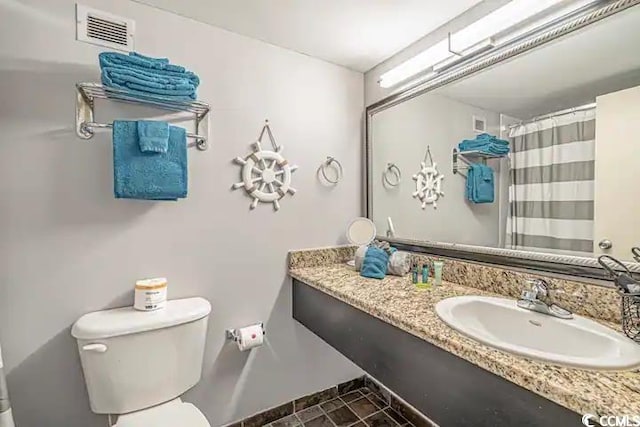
{"x": 359, "y": 408}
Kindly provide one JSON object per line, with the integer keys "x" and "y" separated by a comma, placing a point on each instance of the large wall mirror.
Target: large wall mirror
{"x": 536, "y": 154}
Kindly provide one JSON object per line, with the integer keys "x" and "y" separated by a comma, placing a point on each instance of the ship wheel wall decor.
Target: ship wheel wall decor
{"x": 266, "y": 175}
{"x": 428, "y": 182}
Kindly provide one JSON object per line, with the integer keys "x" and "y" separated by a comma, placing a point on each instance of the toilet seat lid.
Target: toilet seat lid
{"x": 172, "y": 414}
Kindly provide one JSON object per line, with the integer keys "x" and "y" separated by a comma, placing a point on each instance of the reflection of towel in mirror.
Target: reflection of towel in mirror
{"x": 480, "y": 185}
{"x": 486, "y": 143}
{"x": 375, "y": 263}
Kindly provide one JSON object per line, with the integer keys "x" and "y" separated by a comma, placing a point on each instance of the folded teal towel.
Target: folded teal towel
{"x": 148, "y": 175}
{"x": 487, "y": 144}
{"x": 157, "y": 66}
{"x": 142, "y": 75}
{"x": 375, "y": 263}
{"x": 480, "y": 184}
{"x": 138, "y": 60}
{"x": 153, "y": 136}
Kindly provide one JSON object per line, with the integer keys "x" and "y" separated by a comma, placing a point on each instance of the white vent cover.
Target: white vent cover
{"x": 479, "y": 124}
{"x": 104, "y": 29}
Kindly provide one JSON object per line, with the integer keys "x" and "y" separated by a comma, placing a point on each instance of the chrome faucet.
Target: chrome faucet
{"x": 538, "y": 297}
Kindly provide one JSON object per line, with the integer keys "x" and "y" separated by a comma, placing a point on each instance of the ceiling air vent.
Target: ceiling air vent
{"x": 104, "y": 29}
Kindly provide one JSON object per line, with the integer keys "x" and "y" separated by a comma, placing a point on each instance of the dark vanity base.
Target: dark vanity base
{"x": 447, "y": 389}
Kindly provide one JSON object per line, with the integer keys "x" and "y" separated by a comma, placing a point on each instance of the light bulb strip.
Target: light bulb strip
{"x": 421, "y": 86}
{"x": 472, "y": 39}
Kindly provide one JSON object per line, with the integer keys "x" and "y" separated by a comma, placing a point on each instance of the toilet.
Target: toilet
{"x": 137, "y": 364}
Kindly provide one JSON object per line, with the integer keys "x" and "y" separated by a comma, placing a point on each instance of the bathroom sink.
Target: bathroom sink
{"x": 577, "y": 342}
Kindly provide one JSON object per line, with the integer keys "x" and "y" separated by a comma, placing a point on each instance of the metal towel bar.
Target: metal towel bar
{"x": 88, "y": 128}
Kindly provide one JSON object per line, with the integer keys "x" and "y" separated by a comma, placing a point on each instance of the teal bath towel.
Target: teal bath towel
{"x": 148, "y": 175}
{"x": 480, "y": 184}
{"x": 375, "y": 263}
{"x": 485, "y": 143}
{"x": 142, "y": 75}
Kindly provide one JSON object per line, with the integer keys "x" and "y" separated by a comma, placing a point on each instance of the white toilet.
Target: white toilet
{"x": 137, "y": 364}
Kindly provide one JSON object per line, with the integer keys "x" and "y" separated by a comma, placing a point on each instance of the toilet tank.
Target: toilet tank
{"x": 134, "y": 359}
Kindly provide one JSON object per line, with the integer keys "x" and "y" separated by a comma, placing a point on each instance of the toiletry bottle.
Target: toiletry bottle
{"x": 425, "y": 273}
{"x": 414, "y": 273}
{"x": 437, "y": 272}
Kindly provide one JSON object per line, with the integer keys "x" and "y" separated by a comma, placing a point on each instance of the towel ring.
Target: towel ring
{"x": 338, "y": 167}
{"x": 394, "y": 171}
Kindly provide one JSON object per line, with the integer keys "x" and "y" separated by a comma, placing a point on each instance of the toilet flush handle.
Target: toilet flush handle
{"x": 96, "y": 348}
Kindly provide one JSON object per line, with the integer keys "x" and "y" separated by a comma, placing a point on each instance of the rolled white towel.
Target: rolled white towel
{"x": 399, "y": 263}
{"x": 359, "y": 257}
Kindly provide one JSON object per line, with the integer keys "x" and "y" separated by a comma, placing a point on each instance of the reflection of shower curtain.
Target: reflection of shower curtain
{"x": 551, "y": 189}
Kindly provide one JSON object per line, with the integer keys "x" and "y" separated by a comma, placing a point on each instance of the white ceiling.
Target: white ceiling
{"x": 357, "y": 34}
{"x": 570, "y": 72}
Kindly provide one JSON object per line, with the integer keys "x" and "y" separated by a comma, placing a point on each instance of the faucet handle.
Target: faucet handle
{"x": 539, "y": 297}
{"x": 541, "y": 285}
{"x": 537, "y": 289}
{"x": 529, "y": 295}
{"x": 530, "y": 291}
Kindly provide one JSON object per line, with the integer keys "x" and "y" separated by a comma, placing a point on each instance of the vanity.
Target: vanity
{"x": 391, "y": 330}
{"x": 514, "y": 161}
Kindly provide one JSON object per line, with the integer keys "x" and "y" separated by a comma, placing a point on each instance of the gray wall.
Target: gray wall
{"x": 68, "y": 247}
{"x": 400, "y": 135}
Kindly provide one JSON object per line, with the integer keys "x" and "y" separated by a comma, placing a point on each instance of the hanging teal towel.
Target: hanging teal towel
{"x": 375, "y": 263}
{"x": 153, "y": 136}
{"x": 148, "y": 175}
{"x": 480, "y": 186}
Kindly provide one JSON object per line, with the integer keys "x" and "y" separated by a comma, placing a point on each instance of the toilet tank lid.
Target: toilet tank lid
{"x": 127, "y": 320}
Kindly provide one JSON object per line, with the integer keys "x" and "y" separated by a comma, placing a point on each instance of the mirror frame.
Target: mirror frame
{"x": 586, "y": 267}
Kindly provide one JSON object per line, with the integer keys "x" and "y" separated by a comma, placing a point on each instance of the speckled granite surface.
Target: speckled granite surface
{"x": 320, "y": 256}
{"x": 396, "y": 301}
{"x": 585, "y": 299}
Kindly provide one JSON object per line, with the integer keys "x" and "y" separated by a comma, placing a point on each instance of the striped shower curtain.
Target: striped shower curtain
{"x": 551, "y": 185}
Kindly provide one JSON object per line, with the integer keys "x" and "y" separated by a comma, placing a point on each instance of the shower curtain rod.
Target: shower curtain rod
{"x": 557, "y": 113}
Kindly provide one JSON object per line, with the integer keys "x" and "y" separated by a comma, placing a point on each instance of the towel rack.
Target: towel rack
{"x": 394, "y": 171}
{"x": 323, "y": 169}
{"x": 470, "y": 157}
{"x": 86, "y": 93}
{"x": 88, "y": 127}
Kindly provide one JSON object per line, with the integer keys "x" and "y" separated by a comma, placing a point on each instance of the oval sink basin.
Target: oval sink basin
{"x": 577, "y": 342}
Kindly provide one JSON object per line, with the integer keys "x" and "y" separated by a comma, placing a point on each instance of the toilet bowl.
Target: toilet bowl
{"x": 175, "y": 413}
{"x": 137, "y": 364}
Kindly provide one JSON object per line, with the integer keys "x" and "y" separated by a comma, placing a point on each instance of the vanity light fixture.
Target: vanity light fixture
{"x": 481, "y": 36}
{"x": 476, "y": 49}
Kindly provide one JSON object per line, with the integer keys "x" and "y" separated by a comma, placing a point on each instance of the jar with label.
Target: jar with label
{"x": 150, "y": 294}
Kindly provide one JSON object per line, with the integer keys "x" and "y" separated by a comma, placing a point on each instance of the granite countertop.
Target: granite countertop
{"x": 397, "y": 301}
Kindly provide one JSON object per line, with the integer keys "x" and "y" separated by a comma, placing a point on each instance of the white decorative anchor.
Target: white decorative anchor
{"x": 266, "y": 175}
{"x": 428, "y": 182}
